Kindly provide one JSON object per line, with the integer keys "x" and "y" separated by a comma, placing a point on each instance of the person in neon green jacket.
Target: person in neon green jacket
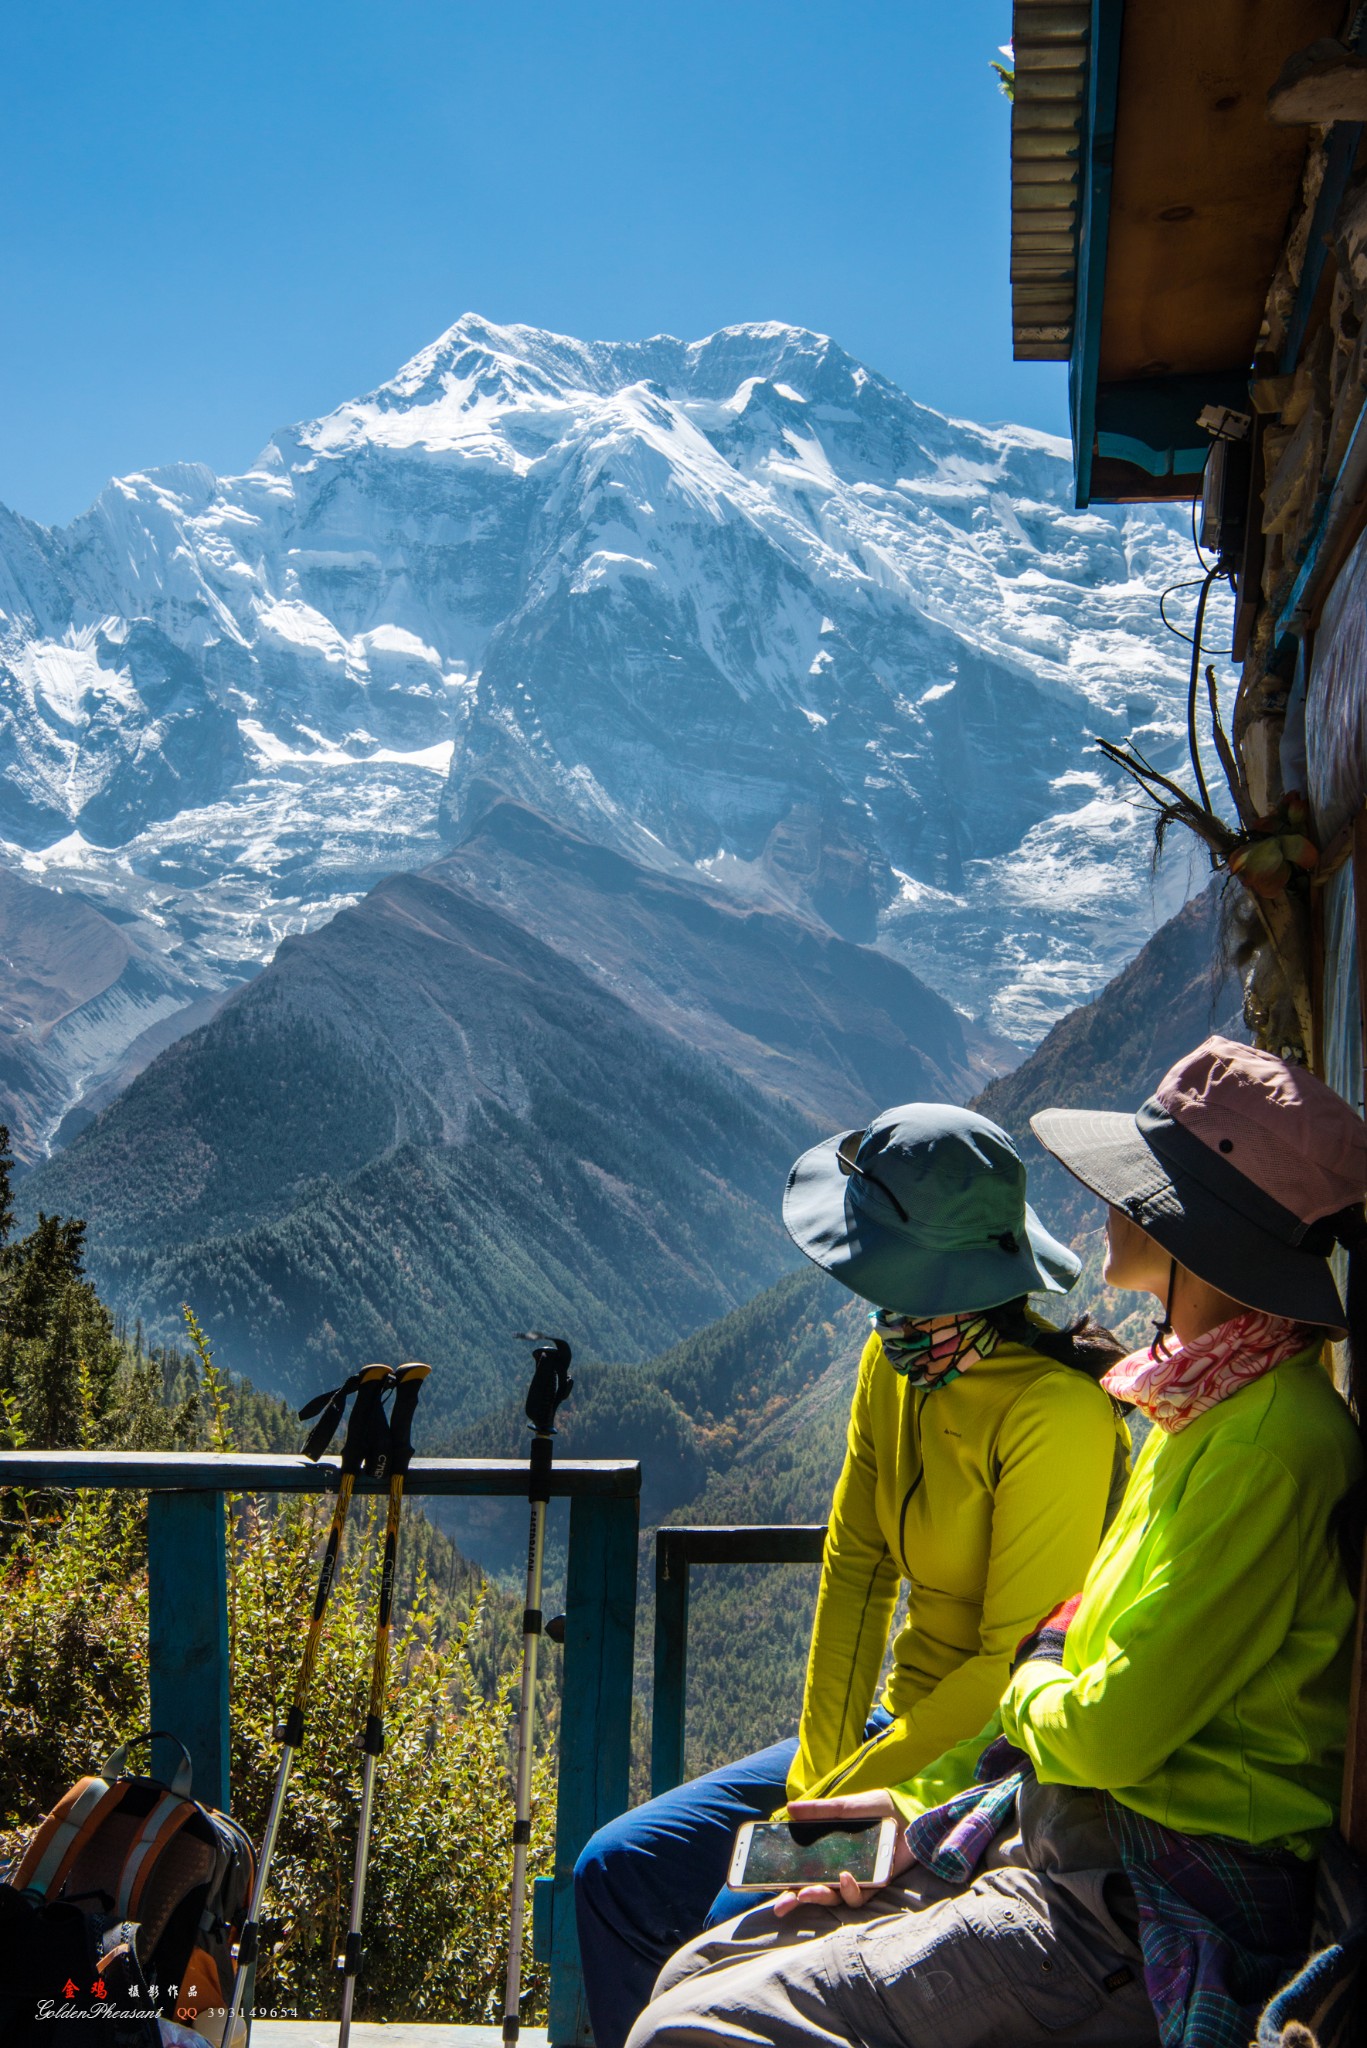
{"x": 980, "y": 1468}
{"x": 1125, "y": 1853}
{"x": 1205, "y": 1670}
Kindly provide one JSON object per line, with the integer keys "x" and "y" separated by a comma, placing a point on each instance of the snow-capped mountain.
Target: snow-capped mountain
{"x": 738, "y": 608}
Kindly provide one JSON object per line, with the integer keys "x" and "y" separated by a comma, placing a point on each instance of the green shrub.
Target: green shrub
{"x": 73, "y": 1649}
{"x": 73, "y": 1646}
{"x": 441, "y": 1864}
{"x": 73, "y": 1659}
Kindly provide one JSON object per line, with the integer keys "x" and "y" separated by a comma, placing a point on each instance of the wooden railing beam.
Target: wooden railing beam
{"x": 266, "y": 1472}
{"x": 676, "y": 1551}
{"x": 595, "y": 1727}
{"x": 187, "y": 1635}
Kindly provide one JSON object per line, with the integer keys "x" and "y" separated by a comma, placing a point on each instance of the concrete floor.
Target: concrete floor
{"x": 372, "y": 2034}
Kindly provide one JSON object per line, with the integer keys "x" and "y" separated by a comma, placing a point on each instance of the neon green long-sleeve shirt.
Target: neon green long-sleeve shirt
{"x": 1206, "y": 1673}
{"x": 988, "y": 1496}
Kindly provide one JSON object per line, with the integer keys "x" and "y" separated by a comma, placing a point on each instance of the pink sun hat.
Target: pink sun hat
{"x": 1235, "y": 1165}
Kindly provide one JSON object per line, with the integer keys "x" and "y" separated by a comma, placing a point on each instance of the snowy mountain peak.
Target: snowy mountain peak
{"x": 737, "y": 607}
{"x": 452, "y": 392}
{"x": 523, "y": 358}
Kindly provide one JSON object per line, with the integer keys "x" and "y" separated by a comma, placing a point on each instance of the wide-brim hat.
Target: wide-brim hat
{"x": 924, "y": 1213}
{"x": 1229, "y": 1166}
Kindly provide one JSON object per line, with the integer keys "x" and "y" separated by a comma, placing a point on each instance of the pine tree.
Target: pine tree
{"x": 6, "y": 1202}
{"x": 67, "y": 1380}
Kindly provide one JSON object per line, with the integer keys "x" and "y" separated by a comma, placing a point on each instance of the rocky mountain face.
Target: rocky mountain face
{"x": 739, "y": 611}
{"x": 87, "y": 1000}
{"x": 1112, "y": 1053}
{"x": 821, "y": 1025}
{"x": 427, "y": 1123}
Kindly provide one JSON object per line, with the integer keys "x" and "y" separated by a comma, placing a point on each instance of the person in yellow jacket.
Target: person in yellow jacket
{"x": 983, "y": 1459}
{"x": 1125, "y": 1853}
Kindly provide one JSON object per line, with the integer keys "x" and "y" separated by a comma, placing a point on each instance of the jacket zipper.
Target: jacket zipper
{"x": 914, "y": 1421}
{"x": 857, "y": 1759}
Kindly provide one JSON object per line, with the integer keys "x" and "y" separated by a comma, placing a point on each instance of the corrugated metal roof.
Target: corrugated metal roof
{"x": 1051, "y": 42}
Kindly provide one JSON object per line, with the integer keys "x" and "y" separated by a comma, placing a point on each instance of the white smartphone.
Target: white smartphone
{"x": 769, "y": 1858}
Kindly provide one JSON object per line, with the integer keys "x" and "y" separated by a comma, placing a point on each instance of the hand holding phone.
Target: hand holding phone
{"x": 769, "y": 1856}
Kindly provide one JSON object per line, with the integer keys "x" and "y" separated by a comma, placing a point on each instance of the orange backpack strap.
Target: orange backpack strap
{"x": 61, "y": 1837}
{"x": 167, "y": 1818}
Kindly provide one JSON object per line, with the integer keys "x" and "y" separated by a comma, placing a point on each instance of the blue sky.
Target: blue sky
{"x": 220, "y": 220}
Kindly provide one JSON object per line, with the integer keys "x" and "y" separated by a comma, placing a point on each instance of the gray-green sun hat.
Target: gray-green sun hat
{"x": 924, "y": 1213}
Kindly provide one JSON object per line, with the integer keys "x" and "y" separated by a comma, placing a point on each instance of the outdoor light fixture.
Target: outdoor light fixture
{"x": 1225, "y": 482}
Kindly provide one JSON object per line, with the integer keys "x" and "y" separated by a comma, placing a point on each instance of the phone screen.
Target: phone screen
{"x": 774, "y": 1858}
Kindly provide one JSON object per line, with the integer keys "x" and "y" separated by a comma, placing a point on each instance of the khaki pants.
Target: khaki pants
{"x": 1018, "y": 1956}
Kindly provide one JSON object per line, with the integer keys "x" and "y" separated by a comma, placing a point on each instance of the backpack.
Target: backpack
{"x": 52, "y": 1960}
{"x": 163, "y": 1883}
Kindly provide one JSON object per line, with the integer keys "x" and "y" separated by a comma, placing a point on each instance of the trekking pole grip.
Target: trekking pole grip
{"x": 408, "y": 1382}
{"x": 367, "y": 1436}
{"x": 551, "y": 1384}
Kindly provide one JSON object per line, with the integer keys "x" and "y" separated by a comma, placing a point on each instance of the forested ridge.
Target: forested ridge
{"x": 419, "y": 1127}
{"x": 742, "y": 1423}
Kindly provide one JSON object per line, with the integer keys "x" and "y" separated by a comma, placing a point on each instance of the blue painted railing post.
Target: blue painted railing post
{"x": 187, "y": 1634}
{"x": 677, "y": 1549}
{"x": 595, "y": 1724}
{"x": 671, "y": 1664}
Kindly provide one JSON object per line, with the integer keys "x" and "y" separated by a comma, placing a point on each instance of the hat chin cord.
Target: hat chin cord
{"x": 1163, "y": 1330}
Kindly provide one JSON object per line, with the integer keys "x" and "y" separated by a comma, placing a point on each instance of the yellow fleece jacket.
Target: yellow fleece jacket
{"x": 988, "y": 1496}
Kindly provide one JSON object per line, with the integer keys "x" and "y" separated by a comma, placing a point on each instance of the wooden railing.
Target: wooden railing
{"x": 676, "y": 1551}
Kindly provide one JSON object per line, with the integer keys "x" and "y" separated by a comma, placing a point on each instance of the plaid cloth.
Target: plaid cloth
{"x": 1220, "y": 1926}
{"x": 951, "y": 1840}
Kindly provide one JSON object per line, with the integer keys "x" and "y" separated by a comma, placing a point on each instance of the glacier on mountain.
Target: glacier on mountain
{"x": 738, "y": 608}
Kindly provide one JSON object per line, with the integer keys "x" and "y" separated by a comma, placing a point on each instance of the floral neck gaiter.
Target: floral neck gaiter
{"x": 1175, "y": 1385}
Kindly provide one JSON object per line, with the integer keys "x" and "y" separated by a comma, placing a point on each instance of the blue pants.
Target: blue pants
{"x": 649, "y": 1881}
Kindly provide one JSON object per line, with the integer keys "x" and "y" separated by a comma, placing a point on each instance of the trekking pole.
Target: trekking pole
{"x": 408, "y": 1381}
{"x": 551, "y": 1384}
{"x": 364, "y": 1445}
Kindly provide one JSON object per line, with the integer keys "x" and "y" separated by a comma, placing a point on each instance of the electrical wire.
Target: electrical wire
{"x": 1211, "y": 573}
{"x": 1191, "y": 583}
{"x": 1193, "y": 745}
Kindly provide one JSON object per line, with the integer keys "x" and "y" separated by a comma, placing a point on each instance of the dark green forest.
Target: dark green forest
{"x": 327, "y": 1171}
